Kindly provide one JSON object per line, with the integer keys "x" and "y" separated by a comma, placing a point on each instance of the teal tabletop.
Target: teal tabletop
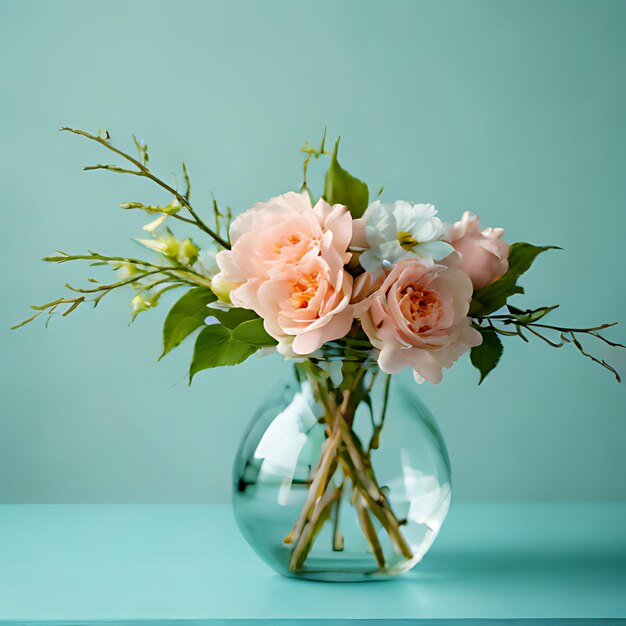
{"x": 561, "y": 563}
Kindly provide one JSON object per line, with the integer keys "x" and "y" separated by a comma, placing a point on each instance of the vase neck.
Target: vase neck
{"x": 335, "y": 371}
{"x": 339, "y": 387}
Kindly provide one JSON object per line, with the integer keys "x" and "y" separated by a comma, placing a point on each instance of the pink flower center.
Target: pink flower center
{"x": 418, "y": 304}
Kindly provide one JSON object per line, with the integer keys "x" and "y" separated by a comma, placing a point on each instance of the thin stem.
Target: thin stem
{"x": 368, "y": 529}
{"x": 314, "y": 525}
{"x": 524, "y": 319}
{"x": 508, "y": 319}
{"x": 379, "y": 507}
{"x": 375, "y": 440}
{"x": 601, "y": 362}
{"x": 176, "y": 271}
{"x": 144, "y": 171}
{"x": 110, "y": 287}
{"x": 162, "y": 211}
{"x": 311, "y": 153}
{"x": 538, "y": 334}
{"x": 318, "y": 485}
{"x": 338, "y": 540}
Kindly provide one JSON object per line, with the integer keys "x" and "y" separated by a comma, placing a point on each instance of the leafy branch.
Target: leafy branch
{"x": 518, "y": 322}
{"x": 142, "y": 170}
{"x": 142, "y": 275}
{"x": 490, "y": 299}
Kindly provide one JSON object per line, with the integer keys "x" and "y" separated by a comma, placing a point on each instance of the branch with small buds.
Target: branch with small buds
{"x": 136, "y": 271}
{"x": 142, "y": 170}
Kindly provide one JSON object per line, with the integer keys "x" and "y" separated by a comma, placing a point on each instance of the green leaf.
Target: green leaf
{"x": 494, "y": 296}
{"x": 530, "y": 315}
{"x": 142, "y": 150}
{"x": 185, "y": 316}
{"x": 216, "y": 346}
{"x": 232, "y": 318}
{"x": 343, "y": 188}
{"x": 486, "y": 356}
{"x": 254, "y": 333}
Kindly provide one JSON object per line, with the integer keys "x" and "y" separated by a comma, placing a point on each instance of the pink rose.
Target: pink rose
{"x": 418, "y": 318}
{"x": 484, "y": 256}
{"x": 287, "y": 264}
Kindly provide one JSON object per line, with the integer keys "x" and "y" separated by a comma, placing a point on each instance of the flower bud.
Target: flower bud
{"x": 187, "y": 252}
{"x": 139, "y": 304}
{"x": 222, "y": 288}
{"x": 126, "y": 270}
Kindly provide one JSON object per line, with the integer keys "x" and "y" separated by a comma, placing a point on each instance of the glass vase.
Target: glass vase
{"x": 342, "y": 475}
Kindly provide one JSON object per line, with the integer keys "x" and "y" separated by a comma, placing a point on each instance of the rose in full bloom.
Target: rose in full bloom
{"x": 402, "y": 230}
{"x": 307, "y": 308}
{"x": 417, "y": 317}
{"x": 484, "y": 256}
{"x": 287, "y": 264}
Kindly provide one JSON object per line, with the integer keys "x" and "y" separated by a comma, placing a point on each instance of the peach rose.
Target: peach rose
{"x": 287, "y": 264}
{"x": 418, "y": 318}
{"x": 307, "y": 308}
{"x": 484, "y": 256}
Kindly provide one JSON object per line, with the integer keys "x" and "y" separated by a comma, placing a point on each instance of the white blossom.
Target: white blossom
{"x": 402, "y": 230}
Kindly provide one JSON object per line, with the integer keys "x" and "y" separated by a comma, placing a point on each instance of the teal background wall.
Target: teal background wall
{"x": 514, "y": 110}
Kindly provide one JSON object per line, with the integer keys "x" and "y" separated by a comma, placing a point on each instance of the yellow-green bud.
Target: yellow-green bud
{"x": 187, "y": 252}
{"x": 171, "y": 247}
{"x": 222, "y": 289}
{"x": 139, "y": 304}
{"x": 126, "y": 270}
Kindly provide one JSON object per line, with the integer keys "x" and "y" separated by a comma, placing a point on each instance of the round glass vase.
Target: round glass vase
{"x": 342, "y": 475}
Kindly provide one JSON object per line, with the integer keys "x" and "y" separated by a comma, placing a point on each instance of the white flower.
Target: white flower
{"x": 402, "y": 230}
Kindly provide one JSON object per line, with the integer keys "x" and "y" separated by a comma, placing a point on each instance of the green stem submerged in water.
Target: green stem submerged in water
{"x": 344, "y": 460}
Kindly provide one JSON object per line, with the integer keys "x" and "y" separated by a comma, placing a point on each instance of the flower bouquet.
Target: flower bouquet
{"x": 351, "y": 291}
